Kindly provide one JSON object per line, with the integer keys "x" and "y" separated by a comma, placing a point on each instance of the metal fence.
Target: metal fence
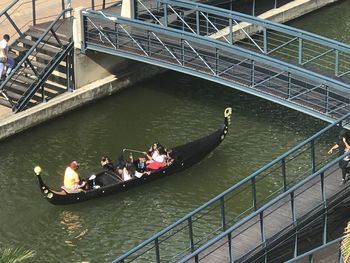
{"x": 217, "y": 61}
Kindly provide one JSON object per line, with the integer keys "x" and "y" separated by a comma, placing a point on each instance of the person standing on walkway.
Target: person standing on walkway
{"x": 343, "y": 145}
{"x": 5, "y": 59}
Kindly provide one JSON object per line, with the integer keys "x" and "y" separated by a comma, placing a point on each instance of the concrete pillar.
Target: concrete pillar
{"x": 78, "y": 29}
{"x": 128, "y": 8}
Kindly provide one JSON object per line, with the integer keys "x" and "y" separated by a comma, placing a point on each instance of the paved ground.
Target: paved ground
{"x": 21, "y": 13}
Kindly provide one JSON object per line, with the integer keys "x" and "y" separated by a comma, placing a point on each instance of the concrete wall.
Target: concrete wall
{"x": 61, "y": 104}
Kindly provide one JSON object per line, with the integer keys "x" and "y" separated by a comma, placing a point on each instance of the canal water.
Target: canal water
{"x": 171, "y": 108}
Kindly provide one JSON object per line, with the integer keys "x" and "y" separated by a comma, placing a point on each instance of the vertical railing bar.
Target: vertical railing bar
{"x": 262, "y": 232}
{"x": 252, "y": 74}
{"x": 230, "y": 251}
{"x": 300, "y": 52}
{"x": 313, "y": 156}
{"x": 289, "y": 85}
{"x": 284, "y": 175}
{"x": 223, "y": 218}
{"x": 265, "y": 40}
{"x": 93, "y": 4}
{"x": 190, "y": 233}
{"x": 254, "y": 194}
{"x": 253, "y": 10}
{"x": 327, "y": 99}
{"x": 231, "y": 33}
{"x": 197, "y": 22}
{"x": 324, "y": 200}
{"x": 336, "y": 63}
{"x": 34, "y": 12}
{"x": 217, "y": 59}
{"x": 165, "y": 14}
{"x": 156, "y": 246}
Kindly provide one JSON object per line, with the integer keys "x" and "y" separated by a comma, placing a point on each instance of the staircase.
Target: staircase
{"x": 43, "y": 67}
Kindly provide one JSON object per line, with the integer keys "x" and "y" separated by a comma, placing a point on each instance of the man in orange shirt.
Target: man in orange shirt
{"x": 71, "y": 177}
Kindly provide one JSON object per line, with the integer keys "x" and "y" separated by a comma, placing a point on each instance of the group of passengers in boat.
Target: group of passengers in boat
{"x": 155, "y": 158}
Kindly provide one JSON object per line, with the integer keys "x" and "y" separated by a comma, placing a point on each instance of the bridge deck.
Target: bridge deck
{"x": 246, "y": 240}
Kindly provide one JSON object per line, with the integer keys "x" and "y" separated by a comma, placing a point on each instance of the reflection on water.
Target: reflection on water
{"x": 71, "y": 224}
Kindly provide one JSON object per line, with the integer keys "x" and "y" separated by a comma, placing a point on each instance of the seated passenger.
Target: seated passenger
{"x": 107, "y": 164}
{"x": 72, "y": 179}
{"x": 157, "y": 160}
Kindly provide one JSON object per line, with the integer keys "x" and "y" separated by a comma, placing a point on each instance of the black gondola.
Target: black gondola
{"x": 109, "y": 183}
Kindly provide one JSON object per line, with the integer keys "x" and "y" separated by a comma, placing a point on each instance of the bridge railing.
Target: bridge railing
{"x": 223, "y": 63}
{"x": 293, "y": 45}
{"x": 261, "y": 225}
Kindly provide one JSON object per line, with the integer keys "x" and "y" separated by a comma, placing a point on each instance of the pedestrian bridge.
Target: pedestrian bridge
{"x": 300, "y": 70}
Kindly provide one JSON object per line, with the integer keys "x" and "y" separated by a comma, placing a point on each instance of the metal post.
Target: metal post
{"x": 327, "y": 100}
{"x": 223, "y": 219}
{"x": 93, "y": 4}
{"x": 262, "y": 232}
{"x": 166, "y": 15}
{"x": 254, "y": 194}
{"x": 231, "y": 33}
{"x": 284, "y": 176}
{"x": 336, "y": 63}
{"x": 217, "y": 59}
{"x": 229, "y": 242}
{"x": 289, "y": 85}
{"x": 252, "y": 74}
{"x": 190, "y": 233}
{"x": 197, "y": 22}
{"x": 156, "y": 245}
{"x": 313, "y": 161}
{"x": 275, "y": 4}
{"x": 34, "y": 12}
{"x": 182, "y": 53}
{"x": 300, "y": 53}
{"x": 265, "y": 40}
{"x": 63, "y": 7}
{"x": 324, "y": 200}
{"x": 253, "y": 10}
{"x": 104, "y": 4}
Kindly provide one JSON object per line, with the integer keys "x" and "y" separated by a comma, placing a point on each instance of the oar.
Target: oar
{"x": 132, "y": 150}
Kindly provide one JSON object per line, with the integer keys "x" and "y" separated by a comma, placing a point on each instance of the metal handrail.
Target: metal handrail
{"x": 334, "y": 48}
{"x": 262, "y": 209}
{"x": 315, "y": 250}
{"x": 35, "y": 45}
{"x": 231, "y": 189}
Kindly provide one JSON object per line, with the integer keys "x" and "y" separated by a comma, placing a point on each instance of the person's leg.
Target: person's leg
{"x": 2, "y": 65}
{"x": 10, "y": 64}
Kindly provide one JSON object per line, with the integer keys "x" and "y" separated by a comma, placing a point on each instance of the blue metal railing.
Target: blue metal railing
{"x": 198, "y": 227}
{"x": 230, "y": 65}
{"x": 310, "y": 254}
{"x": 278, "y": 40}
{"x": 286, "y": 198}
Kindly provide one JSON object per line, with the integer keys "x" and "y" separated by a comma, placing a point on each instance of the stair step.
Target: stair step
{"x": 13, "y": 95}
{"x": 16, "y": 86}
{"x": 42, "y": 46}
{"x": 36, "y": 33}
{"x": 19, "y": 48}
{"x": 42, "y": 56}
{"x": 23, "y": 78}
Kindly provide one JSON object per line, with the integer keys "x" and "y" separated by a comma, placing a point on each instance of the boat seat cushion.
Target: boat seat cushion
{"x": 155, "y": 165}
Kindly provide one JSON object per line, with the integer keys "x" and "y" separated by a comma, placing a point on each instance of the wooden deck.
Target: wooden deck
{"x": 246, "y": 240}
